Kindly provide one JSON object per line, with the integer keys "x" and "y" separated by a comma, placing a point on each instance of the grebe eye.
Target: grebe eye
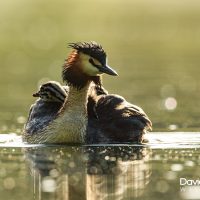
{"x": 92, "y": 62}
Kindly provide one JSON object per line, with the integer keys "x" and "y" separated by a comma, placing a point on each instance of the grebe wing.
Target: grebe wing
{"x": 116, "y": 107}
{"x": 117, "y": 121}
{"x": 133, "y": 110}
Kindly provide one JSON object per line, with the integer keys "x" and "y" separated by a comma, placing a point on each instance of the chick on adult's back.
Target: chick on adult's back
{"x": 51, "y": 98}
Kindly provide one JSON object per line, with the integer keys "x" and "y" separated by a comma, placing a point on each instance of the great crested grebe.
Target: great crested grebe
{"x": 84, "y": 65}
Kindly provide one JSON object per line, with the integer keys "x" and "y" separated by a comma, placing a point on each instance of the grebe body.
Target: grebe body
{"x": 111, "y": 119}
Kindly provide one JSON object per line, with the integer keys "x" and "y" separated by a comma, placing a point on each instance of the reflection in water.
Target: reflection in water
{"x": 60, "y": 173}
{"x": 117, "y": 172}
{"x": 89, "y": 172}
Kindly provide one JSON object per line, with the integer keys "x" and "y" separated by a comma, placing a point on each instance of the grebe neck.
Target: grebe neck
{"x": 77, "y": 98}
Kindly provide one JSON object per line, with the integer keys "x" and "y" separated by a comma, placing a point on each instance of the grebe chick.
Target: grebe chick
{"x": 84, "y": 65}
{"x": 52, "y": 91}
{"x": 114, "y": 120}
{"x": 51, "y": 98}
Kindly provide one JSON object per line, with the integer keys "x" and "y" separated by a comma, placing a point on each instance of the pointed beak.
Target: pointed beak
{"x": 108, "y": 70}
{"x": 37, "y": 94}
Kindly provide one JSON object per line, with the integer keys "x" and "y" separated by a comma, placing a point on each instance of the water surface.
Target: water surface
{"x": 151, "y": 171}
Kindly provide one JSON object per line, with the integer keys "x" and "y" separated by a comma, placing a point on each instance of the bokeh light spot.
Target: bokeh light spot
{"x": 170, "y": 103}
{"x": 173, "y": 127}
{"x": 9, "y": 183}
{"x": 176, "y": 167}
{"x": 48, "y": 185}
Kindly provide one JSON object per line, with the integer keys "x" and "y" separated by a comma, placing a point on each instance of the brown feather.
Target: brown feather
{"x": 73, "y": 74}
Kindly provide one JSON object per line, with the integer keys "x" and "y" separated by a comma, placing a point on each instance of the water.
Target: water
{"x": 154, "y": 47}
{"x": 151, "y": 171}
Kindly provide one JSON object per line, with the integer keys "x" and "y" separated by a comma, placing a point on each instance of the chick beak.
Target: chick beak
{"x": 37, "y": 94}
{"x": 108, "y": 70}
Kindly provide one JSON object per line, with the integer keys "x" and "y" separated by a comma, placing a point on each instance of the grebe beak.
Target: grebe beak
{"x": 37, "y": 94}
{"x": 108, "y": 70}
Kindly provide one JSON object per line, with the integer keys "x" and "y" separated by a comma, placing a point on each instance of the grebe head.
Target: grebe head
{"x": 86, "y": 63}
{"x": 52, "y": 92}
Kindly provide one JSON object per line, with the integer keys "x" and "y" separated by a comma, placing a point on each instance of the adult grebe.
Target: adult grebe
{"x": 84, "y": 65}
